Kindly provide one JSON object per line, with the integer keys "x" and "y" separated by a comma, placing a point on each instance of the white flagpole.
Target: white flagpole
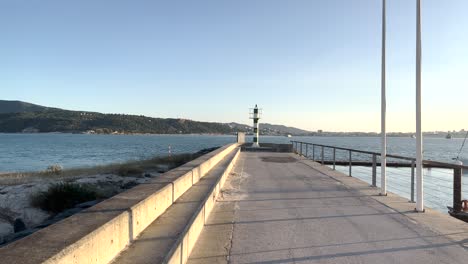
{"x": 383, "y": 155}
{"x": 419, "y": 138}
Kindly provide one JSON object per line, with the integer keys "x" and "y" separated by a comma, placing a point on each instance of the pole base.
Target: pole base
{"x": 255, "y": 145}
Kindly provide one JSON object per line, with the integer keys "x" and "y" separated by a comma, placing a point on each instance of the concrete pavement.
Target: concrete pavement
{"x": 278, "y": 208}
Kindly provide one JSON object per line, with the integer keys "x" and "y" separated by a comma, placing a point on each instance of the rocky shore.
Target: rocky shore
{"x": 19, "y": 218}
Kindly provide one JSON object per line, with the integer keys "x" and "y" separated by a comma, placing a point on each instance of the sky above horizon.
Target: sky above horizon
{"x": 309, "y": 64}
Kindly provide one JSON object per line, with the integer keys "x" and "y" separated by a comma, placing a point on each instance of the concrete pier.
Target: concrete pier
{"x": 281, "y": 208}
{"x": 267, "y": 206}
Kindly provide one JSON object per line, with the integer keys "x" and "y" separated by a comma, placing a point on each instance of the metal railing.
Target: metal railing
{"x": 302, "y": 148}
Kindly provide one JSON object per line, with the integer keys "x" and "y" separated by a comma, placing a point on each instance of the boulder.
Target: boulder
{"x": 6, "y": 229}
{"x": 18, "y": 225}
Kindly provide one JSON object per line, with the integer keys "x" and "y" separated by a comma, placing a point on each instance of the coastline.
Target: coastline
{"x": 438, "y": 134}
{"x": 114, "y": 134}
{"x": 18, "y": 189}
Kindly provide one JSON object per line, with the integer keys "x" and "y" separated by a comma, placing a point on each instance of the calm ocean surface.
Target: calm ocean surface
{"x": 32, "y": 152}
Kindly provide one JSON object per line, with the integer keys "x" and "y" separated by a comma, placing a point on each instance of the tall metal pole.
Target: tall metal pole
{"x": 419, "y": 138}
{"x": 383, "y": 178}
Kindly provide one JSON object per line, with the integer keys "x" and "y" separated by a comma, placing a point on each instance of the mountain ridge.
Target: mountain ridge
{"x": 16, "y": 106}
{"x": 23, "y": 117}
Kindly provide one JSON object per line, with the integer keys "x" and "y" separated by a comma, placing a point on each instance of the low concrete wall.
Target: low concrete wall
{"x": 98, "y": 234}
{"x": 181, "y": 250}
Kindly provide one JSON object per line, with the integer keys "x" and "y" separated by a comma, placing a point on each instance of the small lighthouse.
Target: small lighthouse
{"x": 255, "y": 115}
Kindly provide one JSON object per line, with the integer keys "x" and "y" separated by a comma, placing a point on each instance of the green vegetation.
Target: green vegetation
{"x": 126, "y": 170}
{"x": 168, "y": 162}
{"x": 19, "y": 107}
{"x": 54, "y": 169}
{"x": 56, "y": 120}
{"x": 62, "y": 196}
{"x": 17, "y": 117}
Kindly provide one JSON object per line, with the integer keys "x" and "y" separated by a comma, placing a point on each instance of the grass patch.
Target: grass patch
{"x": 175, "y": 161}
{"x": 54, "y": 169}
{"x": 62, "y": 196}
{"x": 129, "y": 170}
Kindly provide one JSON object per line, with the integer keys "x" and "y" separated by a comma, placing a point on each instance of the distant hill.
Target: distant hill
{"x": 19, "y": 107}
{"x": 269, "y": 129}
{"x": 17, "y": 117}
{"x": 280, "y": 129}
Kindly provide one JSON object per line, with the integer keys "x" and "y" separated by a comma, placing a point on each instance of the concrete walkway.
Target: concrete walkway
{"x": 277, "y": 208}
{"x": 157, "y": 239}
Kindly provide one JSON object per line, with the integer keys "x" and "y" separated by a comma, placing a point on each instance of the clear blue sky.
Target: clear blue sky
{"x": 313, "y": 64}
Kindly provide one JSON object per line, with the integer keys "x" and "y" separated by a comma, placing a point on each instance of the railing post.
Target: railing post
{"x": 307, "y": 150}
{"x": 374, "y": 170}
{"x": 322, "y": 155}
{"x": 350, "y": 164}
{"x": 301, "y": 150}
{"x": 313, "y": 152}
{"x": 334, "y": 158}
{"x": 413, "y": 166}
{"x": 457, "y": 190}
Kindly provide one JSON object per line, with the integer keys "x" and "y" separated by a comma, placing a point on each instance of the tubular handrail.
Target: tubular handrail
{"x": 425, "y": 162}
{"x": 457, "y": 169}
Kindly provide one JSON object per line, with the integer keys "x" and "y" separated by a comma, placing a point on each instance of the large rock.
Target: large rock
{"x": 6, "y": 229}
{"x": 18, "y": 225}
{"x": 15, "y": 203}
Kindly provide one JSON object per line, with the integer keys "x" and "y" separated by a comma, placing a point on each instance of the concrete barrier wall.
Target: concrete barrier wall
{"x": 182, "y": 184}
{"x": 183, "y": 247}
{"x": 146, "y": 211}
{"x": 200, "y": 167}
{"x": 99, "y": 246}
{"x": 98, "y": 234}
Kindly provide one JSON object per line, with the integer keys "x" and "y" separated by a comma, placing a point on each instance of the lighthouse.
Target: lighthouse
{"x": 255, "y": 115}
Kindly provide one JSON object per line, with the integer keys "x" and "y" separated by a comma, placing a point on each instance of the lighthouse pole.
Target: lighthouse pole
{"x": 256, "y": 131}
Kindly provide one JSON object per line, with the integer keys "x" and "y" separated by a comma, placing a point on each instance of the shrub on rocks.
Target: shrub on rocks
{"x": 62, "y": 196}
{"x": 129, "y": 170}
{"x": 54, "y": 169}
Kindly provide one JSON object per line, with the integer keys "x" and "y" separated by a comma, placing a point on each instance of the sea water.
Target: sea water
{"x": 33, "y": 152}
